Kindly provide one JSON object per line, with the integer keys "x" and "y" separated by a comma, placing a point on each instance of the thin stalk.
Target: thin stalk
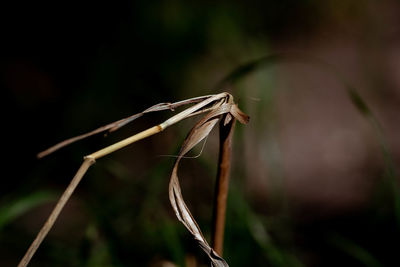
{"x": 89, "y": 160}
{"x": 123, "y": 143}
{"x": 222, "y": 183}
{"x": 56, "y": 211}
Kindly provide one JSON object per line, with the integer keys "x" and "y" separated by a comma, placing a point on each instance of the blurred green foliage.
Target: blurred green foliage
{"x": 10, "y": 210}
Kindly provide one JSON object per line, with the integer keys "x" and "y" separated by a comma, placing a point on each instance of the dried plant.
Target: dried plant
{"x": 219, "y": 107}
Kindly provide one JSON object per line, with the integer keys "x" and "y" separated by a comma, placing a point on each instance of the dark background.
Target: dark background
{"x": 310, "y": 184}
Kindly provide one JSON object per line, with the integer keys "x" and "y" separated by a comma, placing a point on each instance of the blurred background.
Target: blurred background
{"x": 314, "y": 176}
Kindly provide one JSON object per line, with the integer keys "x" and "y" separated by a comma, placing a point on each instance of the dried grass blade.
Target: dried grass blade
{"x": 196, "y": 135}
{"x": 201, "y": 130}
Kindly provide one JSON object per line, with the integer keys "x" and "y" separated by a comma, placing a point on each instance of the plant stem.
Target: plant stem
{"x": 121, "y": 144}
{"x": 56, "y": 211}
{"x": 222, "y": 183}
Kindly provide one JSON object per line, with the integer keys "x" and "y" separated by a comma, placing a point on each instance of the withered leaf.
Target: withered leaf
{"x": 196, "y": 135}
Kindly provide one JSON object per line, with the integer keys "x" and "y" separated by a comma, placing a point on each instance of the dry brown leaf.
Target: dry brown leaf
{"x": 201, "y": 130}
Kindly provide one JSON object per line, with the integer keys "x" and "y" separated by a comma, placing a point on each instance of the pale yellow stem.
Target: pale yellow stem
{"x": 107, "y": 150}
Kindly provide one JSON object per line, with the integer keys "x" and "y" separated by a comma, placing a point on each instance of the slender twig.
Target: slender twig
{"x": 107, "y": 150}
{"x": 56, "y": 211}
{"x": 222, "y": 183}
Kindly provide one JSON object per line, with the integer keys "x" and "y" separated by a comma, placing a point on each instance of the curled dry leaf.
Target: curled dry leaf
{"x": 196, "y": 135}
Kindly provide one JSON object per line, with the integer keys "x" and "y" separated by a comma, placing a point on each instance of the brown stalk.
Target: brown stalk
{"x": 222, "y": 183}
{"x": 56, "y": 211}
